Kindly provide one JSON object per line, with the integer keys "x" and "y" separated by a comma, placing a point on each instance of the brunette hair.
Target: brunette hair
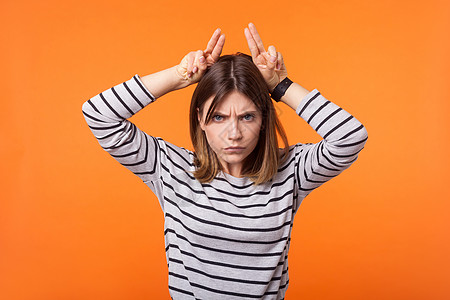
{"x": 237, "y": 72}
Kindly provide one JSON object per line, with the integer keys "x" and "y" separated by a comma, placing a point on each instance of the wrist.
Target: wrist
{"x": 163, "y": 82}
{"x": 280, "y": 89}
{"x": 273, "y": 85}
{"x": 179, "y": 80}
{"x": 294, "y": 95}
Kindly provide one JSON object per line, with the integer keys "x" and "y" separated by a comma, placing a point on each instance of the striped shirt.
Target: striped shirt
{"x": 227, "y": 239}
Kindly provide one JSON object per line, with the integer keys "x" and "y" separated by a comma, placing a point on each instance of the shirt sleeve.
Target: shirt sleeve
{"x": 343, "y": 138}
{"x": 106, "y": 115}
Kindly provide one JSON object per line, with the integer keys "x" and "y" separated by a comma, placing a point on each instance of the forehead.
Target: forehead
{"x": 234, "y": 101}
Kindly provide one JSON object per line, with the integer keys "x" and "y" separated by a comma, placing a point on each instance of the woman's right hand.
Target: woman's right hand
{"x": 194, "y": 64}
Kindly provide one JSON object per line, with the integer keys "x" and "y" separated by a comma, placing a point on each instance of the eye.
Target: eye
{"x": 248, "y": 117}
{"x": 217, "y": 118}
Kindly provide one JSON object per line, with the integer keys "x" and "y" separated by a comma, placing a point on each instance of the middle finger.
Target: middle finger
{"x": 256, "y": 37}
{"x": 217, "y": 50}
{"x": 251, "y": 43}
{"x": 213, "y": 41}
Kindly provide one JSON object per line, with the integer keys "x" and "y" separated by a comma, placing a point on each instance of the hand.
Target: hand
{"x": 194, "y": 64}
{"x": 270, "y": 63}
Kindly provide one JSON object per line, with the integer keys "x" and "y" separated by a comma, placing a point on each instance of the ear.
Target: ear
{"x": 200, "y": 119}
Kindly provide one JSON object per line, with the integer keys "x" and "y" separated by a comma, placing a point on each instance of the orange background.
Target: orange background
{"x": 74, "y": 224}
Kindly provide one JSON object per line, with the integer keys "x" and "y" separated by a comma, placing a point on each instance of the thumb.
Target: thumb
{"x": 273, "y": 57}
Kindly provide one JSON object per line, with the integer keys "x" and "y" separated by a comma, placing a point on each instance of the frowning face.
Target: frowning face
{"x": 233, "y": 131}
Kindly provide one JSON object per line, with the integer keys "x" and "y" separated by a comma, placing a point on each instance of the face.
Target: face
{"x": 233, "y": 131}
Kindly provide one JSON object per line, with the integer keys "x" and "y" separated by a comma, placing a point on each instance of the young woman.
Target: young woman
{"x": 229, "y": 205}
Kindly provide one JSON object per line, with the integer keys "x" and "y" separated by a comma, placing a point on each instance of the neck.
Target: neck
{"x": 233, "y": 170}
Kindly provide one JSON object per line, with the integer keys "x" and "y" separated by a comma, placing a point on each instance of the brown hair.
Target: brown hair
{"x": 230, "y": 73}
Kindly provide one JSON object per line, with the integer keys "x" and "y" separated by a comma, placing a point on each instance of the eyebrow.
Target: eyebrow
{"x": 240, "y": 115}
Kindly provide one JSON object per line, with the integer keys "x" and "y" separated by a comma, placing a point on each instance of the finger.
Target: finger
{"x": 273, "y": 57}
{"x": 199, "y": 61}
{"x": 198, "y": 54}
{"x": 251, "y": 43}
{"x": 213, "y": 41}
{"x": 280, "y": 61}
{"x": 217, "y": 50}
{"x": 190, "y": 63}
{"x": 256, "y": 37}
{"x": 202, "y": 63}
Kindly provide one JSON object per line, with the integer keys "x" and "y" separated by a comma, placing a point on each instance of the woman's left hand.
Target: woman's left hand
{"x": 270, "y": 63}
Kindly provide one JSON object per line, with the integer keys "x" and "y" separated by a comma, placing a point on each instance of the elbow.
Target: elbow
{"x": 360, "y": 139}
{"x": 364, "y": 136}
{"x": 361, "y": 136}
{"x": 88, "y": 113}
{"x": 85, "y": 107}
{"x": 347, "y": 152}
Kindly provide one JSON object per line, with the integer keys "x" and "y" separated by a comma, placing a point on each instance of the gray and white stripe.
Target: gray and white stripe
{"x": 227, "y": 239}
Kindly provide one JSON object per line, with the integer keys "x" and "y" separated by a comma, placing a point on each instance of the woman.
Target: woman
{"x": 229, "y": 205}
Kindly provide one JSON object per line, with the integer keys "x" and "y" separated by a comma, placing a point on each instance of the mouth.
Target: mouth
{"x": 234, "y": 149}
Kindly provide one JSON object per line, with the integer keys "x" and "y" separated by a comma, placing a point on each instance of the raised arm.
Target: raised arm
{"x": 271, "y": 65}
{"x": 343, "y": 135}
{"x": 106, "y": 113}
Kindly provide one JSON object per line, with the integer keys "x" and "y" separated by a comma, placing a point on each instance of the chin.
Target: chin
{"x": 234, "y": 160}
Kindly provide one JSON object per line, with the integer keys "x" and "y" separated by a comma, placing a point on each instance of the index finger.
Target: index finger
{"x": 218, "y": 48}
{"x": 256, "y": 37}
{"x": 251, "y": 43}
{"x": 213, "y": 41}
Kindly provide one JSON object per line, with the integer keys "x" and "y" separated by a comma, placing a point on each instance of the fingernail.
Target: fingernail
{"x": 202, "y": 59}
{"x": 194, "y": 70}
{"x": 273, "y": 58}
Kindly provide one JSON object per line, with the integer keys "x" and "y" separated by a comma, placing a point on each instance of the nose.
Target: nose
{"x": 234, "y": 130}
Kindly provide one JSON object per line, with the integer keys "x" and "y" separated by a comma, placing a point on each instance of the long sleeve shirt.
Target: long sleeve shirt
{"x": 229, "y": 238}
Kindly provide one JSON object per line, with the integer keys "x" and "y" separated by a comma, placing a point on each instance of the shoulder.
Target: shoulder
{"x": 173, "y": 152}
{"x": 296, "y": 151}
